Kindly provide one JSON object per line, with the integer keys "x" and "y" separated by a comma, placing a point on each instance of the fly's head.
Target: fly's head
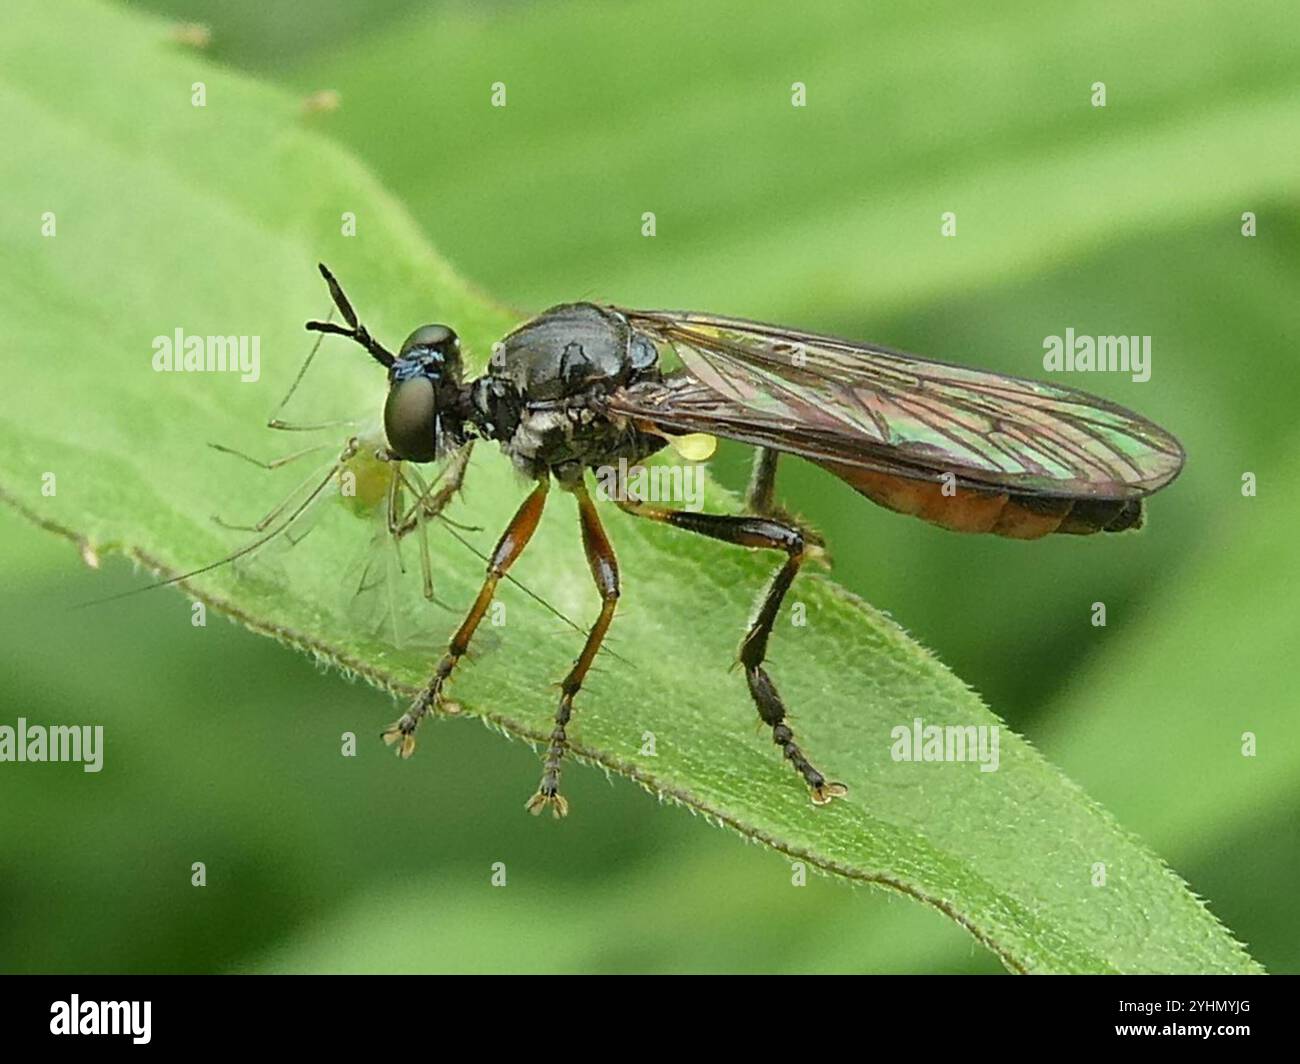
{"x": 424, "y": 388}
{"x": 424, "y": 381}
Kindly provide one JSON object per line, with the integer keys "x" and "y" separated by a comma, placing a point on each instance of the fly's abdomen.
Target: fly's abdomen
{"x": 999, "y": 513}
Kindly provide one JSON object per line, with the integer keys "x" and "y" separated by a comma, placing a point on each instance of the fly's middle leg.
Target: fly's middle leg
{"x": 773, "y": 534}
{"x": 604, "y": 571}
{"x": 508, "y": 548}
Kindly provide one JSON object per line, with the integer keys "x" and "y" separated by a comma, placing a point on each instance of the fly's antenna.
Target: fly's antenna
{"x": 357, "y": 332}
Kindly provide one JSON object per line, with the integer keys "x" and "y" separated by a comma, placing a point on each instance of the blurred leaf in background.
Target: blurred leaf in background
{"x": 1123, "y": 219}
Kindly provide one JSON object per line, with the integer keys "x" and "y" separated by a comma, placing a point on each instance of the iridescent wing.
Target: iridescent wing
{"x": 866, "y": 406}
{"x": 374, "y": 591}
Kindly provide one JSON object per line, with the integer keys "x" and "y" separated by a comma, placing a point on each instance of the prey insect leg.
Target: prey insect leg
{"x": 274, "y": 514}
{"x": 772, "y": 534}
{"x": 274, "y": 463}
{"x": 422, "y": 541}
{"x": 604, "y": 570}
{"x": 428, "y": 505}
{"x": 275, "y": 422}
{"x": 508, "y": 548}
{"x": 416, "y": 518}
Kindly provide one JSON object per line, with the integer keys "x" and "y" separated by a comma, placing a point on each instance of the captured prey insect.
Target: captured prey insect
{"x": 582, "y": 386}
{"x": 398, "y": 500}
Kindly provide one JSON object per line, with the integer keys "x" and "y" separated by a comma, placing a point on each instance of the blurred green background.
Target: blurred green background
{"x": 1123, "y": 219}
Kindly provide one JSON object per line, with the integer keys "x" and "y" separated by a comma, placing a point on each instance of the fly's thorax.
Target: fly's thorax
{"x": 494, "y": 408}
{"x": 574, "y": 432}
{"x": 568, "y": 350}
{"x": 541, "y": 397}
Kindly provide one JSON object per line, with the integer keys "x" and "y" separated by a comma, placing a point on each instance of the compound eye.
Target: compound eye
{"x": 437, "y": 338}
{"x": 410, "y": 420}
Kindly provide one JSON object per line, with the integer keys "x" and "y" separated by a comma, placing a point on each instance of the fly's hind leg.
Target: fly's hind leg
{"x": 604, "y": 570}
{"x": 760, "y": 496}
{"x": 772, "y": 534}
{"x": 276, "y": 422}
{"x": 508, "y": 548}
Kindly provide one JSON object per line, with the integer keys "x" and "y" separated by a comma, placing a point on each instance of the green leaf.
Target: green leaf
{"x": 210, "y": 219}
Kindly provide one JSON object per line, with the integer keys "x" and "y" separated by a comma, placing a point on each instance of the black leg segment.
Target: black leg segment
{"x": 773, "y": 534}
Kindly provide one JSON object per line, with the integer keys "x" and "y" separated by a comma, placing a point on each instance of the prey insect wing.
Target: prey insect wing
{"x": 376, "y": 589}
{"x": 287, "y": 514}
{"x": 867, "y": 407}
{"x": 375, "y": 583}
{"x": 378, "y": 583}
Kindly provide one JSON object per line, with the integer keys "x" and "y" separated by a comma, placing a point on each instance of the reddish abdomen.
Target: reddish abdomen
{"x": 1002, "y": 513}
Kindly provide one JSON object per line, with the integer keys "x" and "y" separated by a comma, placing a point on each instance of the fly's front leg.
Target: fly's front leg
{"x": 604, "y": 570}
{"x": 508, "y": 548}
{"x": 432, "y": 498}
{"x": 775, "y": 535}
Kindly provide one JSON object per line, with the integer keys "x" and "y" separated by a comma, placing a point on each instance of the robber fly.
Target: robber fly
{"x": 581, "y": 386}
